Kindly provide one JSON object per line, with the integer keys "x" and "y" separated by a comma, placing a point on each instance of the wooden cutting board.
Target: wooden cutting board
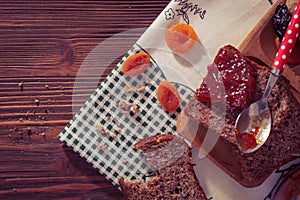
{"x": 259, "y": 45}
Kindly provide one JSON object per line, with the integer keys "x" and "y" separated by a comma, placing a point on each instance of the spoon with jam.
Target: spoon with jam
{"x": 254, "y": 123}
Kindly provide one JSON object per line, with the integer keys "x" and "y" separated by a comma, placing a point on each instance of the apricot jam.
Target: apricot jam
{"x": 232, "y": 71}
{"x": 247, "y": 140}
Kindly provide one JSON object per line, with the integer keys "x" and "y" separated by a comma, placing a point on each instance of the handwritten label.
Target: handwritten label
{"x": 187, "y": 8}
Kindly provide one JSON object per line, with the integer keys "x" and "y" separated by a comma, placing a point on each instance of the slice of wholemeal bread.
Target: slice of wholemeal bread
{"x": 249, "y": 169}
{"x": 170, "y": 159}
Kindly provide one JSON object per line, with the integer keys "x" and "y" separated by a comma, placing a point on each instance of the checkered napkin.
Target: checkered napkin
{"x": 104, "y": 134}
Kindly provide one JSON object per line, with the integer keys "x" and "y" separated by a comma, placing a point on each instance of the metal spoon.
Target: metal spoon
{"x": 256, "y": 119}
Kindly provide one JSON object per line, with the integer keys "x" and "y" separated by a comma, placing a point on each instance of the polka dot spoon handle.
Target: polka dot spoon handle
{"x": 289, "y": 40}
{"x": 258, "y": 116}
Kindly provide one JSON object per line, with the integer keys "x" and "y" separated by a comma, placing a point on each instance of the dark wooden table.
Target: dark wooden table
{"x": 42, "y": 46}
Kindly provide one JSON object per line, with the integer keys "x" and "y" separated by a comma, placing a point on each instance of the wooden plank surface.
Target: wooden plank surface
{"x": 42, "y": 46}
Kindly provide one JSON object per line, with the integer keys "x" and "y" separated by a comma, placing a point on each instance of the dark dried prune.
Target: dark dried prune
{"x": 281, "y": 20}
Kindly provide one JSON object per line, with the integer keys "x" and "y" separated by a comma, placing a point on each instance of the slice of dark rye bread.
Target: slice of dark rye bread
{"x": 249, "y": 169}
{"x": 170, "y": 158}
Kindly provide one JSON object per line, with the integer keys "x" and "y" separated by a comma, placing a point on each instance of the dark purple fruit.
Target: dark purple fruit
{"x": 281, "y": 20}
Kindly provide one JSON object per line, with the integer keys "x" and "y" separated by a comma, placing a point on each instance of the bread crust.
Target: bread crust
{"x": 154, "y": 140}
{"x": 176, "y": 180}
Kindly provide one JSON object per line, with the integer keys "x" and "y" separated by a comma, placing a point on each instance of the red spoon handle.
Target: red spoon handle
{"x": 289, "y": 40}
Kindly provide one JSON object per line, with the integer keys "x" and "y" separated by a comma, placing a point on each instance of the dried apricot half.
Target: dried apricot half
{"x": 168, "y": 96}
{"x": 136, "y": 64}
{"x": 181, "y": 38}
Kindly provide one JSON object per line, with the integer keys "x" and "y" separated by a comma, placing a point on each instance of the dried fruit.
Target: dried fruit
{"x": 136, "y": 64}
{"x": 168, "y": 96}
{"x": 281, "y": 20}
{"x": 181, "y": 38}
{"x": 247, "y": 140}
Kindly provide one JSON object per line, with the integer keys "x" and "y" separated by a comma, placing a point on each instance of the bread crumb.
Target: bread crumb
{"x": 21, "y": 85}
{"x": 101, "y": 108}
{"x": 128, "y": 89}
{"x": 134, "y": 108}
{"x": 37, "y": 102}
{"x": 124, "y": 107}
{"x": 101, "y": 130}
{"x": 114, "y": 136}
{"x": 108, "y": 117}
{"x": 141, "y": 89}
{"x": 118, "y": 130}
{"x": 29, "y": 131}
{"x": 115, "y": 121}
{"x": 102, "y": 147}
{"x": 43, "y": 134}
{"x": 147, "y": 81}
